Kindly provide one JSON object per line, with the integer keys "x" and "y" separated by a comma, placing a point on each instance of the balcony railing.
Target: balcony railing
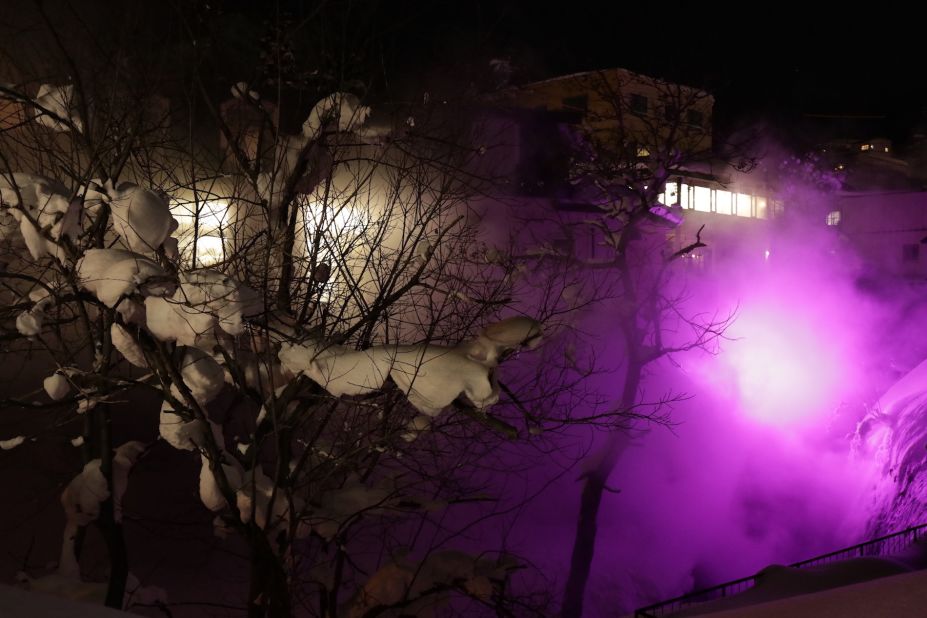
{"x": 882, "y": 546}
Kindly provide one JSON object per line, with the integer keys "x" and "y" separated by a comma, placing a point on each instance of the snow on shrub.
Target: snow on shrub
{"x": 111, "y": 274}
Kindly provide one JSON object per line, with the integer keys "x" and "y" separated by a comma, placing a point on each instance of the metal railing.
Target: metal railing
{"x": 882, "y": 546}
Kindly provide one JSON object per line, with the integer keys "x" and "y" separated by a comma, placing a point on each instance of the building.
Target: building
{"x": 731, "y": 208}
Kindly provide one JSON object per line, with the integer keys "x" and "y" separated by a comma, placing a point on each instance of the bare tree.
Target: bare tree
{"x": 303, "y": 306}
{"x": 640, "y": 136}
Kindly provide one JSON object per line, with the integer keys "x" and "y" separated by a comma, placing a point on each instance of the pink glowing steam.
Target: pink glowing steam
{"x": 784, "y": 365}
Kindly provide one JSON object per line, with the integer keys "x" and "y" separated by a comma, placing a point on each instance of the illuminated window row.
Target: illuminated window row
{"x": 704, "y": 199}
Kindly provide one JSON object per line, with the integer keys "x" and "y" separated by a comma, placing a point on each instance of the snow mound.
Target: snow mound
{"x": 210, "y": 495}
{"x": 182, "y": 434}
{"x": 111, "y": 274}
{"x": 430, "y": 376}
{"x": 57, "y": 108}
{"x": 82, "y": 497}
{"x": 43, "y": 210}
{"x": 502, "y": 337}
{"x": 29, "y": 323}
{"x": 202, "y": 375}
{"x": 140, "y": 216}
{"x": 56, "y": 386}
{"x": 126, "y": 345}
{"x": 343, "y": 110}
{"x": 204, "y": 300}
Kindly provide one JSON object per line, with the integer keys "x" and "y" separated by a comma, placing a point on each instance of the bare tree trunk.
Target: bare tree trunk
{"x": 269, "y": 595}
{"x": 109, "y": 527}
{"x": 596, "y": 481}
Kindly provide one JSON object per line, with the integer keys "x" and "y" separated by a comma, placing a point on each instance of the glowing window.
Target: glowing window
{"x": 670, "y": 197}
{"x": 642, "y": 152}
{"x": 209, "y": 250}
{"x": 865, "y": 147}
{"x": 684, "y": 200}
{"x": 701, "y": 198}
{"x": 833, "y": 217}
{"x": 761, "y": 208}
{"x": 744, "y": 205}
{"x": 724, "y": 202}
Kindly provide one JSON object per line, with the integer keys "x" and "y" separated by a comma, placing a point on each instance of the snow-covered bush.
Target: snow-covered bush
{"x": 304, "y": 317}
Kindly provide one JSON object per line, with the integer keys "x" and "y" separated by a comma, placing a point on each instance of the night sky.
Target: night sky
{"x": 777, "y": 62}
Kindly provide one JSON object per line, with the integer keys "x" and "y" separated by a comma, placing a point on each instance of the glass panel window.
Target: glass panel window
{"x": 724, "y": 202}
{"x": 761, "y": 212}
{"x": 684, "y": 200}
{"x": 744, "y": 205}
{"x": 701, "y": 197}
{"x": 638, "y": 104}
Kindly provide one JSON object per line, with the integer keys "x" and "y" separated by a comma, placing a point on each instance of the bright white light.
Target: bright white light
{"x": 744, "y": 206}
{"x": 785, "y": 371}
{"x": 761, "y": 207}
{"x": 209, "y": 250}
{"x": 724, "y": 202}
{"x": 207, "y": 221}
{"x": 702, "y": 198}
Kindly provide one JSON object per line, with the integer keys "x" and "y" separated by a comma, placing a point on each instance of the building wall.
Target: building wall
{"x": 886, "y": 229}
{"x": 643, "y": 107}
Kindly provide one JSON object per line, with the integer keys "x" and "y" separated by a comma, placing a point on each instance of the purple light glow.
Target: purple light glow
{"x": 783, "y": 364}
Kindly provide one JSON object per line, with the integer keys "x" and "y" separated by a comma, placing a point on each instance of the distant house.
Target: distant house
{"x": 546, "y": 119}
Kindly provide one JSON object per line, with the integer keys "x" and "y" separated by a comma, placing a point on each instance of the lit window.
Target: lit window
{"x": 865, "y": 147}
{"x": 724, "y": 202}
{"x": 833, "y": 217}
{"x": 701, "y": 197}
{"x": 761, "y": 208}
{"x": 886, "y": 149}
{"x": 744, "y": 205}
{"x": 209, "y": 250}
{"x": 642, "y": 152}
{"x": 684, "y": 200}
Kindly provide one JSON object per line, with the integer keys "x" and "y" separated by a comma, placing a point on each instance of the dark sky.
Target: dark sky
{"x": 780, "y": 61}
{"x": 773, "y": 61}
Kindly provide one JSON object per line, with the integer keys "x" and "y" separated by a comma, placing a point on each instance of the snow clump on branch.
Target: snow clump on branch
{"x": 431, "y": 376}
